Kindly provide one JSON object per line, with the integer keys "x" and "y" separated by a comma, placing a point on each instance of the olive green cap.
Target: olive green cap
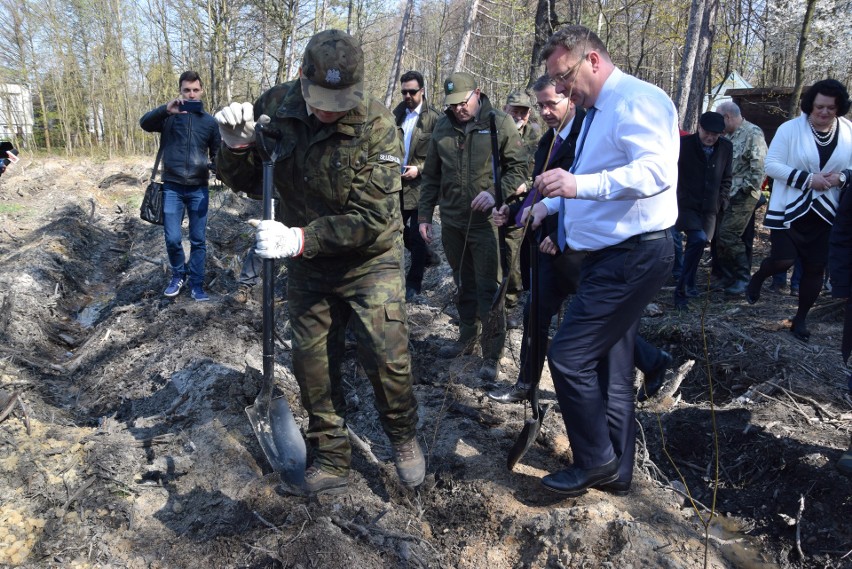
{"x": 518, "y": 99}
{"x": 457, "y": 87}
{"x": 333, "y": 72}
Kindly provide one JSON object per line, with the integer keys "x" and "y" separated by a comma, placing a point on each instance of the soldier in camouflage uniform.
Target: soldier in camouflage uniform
{"x": 457, "y": 176}
{"x": 519, "y": 108}
{"x": 749, "y": 154}
{"x": 339, "y": 227}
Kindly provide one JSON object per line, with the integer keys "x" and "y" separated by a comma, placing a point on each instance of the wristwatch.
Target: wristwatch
{"x": 842, "y": 178}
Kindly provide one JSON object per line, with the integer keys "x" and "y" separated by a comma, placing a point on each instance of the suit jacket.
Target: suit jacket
{"x": 419, "y": 145}
{"x": 702, "y": 183}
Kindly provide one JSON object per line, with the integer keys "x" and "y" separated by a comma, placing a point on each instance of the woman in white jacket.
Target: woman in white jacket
{"x": 806, "y": 160}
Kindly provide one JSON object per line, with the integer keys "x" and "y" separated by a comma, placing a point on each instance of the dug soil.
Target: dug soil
{"x": 124, "y": 440}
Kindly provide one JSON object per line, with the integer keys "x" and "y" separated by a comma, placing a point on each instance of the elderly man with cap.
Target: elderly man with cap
{"x": 518, "y": 107}
{"x": 339, "y": 227}
{"x": 457, "y": 175}
{"x": 703, "y": 181}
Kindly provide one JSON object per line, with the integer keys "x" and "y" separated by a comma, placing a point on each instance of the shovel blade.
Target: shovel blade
{"x": 280, "y": 439}
{"x": 529, "y": 433}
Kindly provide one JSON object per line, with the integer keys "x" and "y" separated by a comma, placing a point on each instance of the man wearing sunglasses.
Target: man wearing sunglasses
{"x": 457, "y": 175}
{"x": 415, "y": 119}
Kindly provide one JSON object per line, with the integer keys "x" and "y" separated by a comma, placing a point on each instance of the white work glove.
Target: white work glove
{"x": 275, "y": 240}
{"x": 236, "y": 125}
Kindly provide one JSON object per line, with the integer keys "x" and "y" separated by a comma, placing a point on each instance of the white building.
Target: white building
{"x": 16, "y": 113}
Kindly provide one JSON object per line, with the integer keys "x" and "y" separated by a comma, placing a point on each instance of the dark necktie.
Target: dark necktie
{"x": 528, "y": 200}
{"x": 587, "y": 124}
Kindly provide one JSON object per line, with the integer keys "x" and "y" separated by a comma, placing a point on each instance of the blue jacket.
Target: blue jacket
{"x": 189, "y": 141}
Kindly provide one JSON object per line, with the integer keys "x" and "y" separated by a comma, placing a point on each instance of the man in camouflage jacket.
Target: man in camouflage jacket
{"x": 339, "y": 227}
{"x": 457, "y": 176}
{"x": 749, "y": 155}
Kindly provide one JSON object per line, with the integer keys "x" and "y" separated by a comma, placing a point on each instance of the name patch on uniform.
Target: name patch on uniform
{"x": 486, "y": 131}
{"x": 390, "y": 158}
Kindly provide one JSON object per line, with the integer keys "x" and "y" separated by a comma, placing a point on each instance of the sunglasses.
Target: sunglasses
{"x": 411, "y": 92}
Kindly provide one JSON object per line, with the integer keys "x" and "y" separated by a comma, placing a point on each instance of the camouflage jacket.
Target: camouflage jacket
{"x": 429, "y": 115}
{"x": 339, "y": 182}
{"x": 749, "y": 154}
{"x": 458, "y": 166}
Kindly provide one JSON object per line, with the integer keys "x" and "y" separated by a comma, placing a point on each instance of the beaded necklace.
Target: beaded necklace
{"x": 823, "y": 138}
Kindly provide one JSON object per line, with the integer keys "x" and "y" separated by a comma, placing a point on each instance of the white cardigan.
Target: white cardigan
{"x": 792, "y": 156}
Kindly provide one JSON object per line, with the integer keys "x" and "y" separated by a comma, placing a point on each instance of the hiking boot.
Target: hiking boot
{"x": 736, "y": 289}
{"x": 198, "y": 293}
{"x": 318, "y": 480}
{"x": 243, "y": 294}
{"x": 410, "y": 464}
{"x": 174, "y": 287}
{"x": 488, "y": 371}
{"x": 456, "y": 349}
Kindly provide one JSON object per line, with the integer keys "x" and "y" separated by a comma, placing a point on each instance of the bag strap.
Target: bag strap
{"x": 157, "y": 163}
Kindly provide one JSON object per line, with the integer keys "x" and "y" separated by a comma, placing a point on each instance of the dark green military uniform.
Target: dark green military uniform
{"x": 340, "y": 182}
{"x": 420, "y": 138}
{"x": 457, "y": 169}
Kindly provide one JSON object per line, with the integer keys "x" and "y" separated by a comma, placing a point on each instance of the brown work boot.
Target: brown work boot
{"x": 410, "y": 464}
{"x": 243, "y": 294}
{"x": 318, "y": 480}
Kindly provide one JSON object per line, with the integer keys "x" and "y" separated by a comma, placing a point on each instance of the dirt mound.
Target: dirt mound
{"x": 124, "y": 441}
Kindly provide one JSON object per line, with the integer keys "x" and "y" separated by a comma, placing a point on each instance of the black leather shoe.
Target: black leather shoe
{"x": 616, "y": 488}
{"x": 653, "y": 380}
{"x": 799, "y": 329}
{"x": 736, "y": 289}
{"x": 574, "y": 480}
{"x": 752, "y": 292}
{"x": 514, "y": 394}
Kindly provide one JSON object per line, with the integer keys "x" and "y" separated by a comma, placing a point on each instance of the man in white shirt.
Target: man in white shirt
{"x": 616, "y": 203}
{"x": 415, "y": 118}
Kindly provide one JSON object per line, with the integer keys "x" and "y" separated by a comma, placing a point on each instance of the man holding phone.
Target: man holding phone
{"x": 189, "y": 139}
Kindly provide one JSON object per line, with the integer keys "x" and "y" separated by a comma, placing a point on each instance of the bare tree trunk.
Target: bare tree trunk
{"x": 465, "y": 39}
{"x": 545, "y": 24}
{"x": 700, "y": 71}
{"x": 690, "y": 48}
{"x": 400, "y": 48}
{"x": 291, "y": 45}
{"x": 792, "y": 110}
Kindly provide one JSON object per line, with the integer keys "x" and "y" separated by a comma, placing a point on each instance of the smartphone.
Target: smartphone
{"x": 192, "y": 106}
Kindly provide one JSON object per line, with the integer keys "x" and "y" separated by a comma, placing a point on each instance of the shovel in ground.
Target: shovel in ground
{"x": 498, "y": 304}
{"x": 272, "y": 420}
{"x": 532, "y": 373}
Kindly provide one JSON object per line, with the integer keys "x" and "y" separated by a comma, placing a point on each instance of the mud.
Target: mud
{"x": 127, "y": 445}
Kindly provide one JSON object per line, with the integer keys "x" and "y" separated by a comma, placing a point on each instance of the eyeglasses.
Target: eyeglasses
{"x": 411, "y": 92}
{"x": 568, "y": 76}
{"x": 549, "y": 105}
{"x": 463, "y": 103}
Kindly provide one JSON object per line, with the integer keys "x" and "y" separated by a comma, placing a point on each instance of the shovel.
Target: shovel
{"x": 498, "y": 303}
{"x": 272, "y": 419}
{"x": 532, "y": 425}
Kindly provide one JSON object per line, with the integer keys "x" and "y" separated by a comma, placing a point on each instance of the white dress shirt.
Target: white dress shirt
{"x": 408, "y": 124}
{"x": 627, "y": 171}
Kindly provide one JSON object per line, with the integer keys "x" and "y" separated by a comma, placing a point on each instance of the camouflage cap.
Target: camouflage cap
{"x": 518, "y": 99}
{"x": 457, "y": 87}
{"x": 333, "y": 72}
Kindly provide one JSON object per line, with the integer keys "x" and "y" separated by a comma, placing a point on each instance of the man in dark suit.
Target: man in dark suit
{"x": 704, "y": 180}
{"x": 557, "y": 278}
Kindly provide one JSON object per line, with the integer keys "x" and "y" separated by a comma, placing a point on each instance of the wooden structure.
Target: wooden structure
{"x": 765, "y": 106}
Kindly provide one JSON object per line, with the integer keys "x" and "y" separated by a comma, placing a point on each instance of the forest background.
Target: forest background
{"x": 94, "y": 67}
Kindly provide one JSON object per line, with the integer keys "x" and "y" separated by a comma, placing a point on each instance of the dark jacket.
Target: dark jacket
{"x": 189, "y": 141}
{"x": 429, "y": 115}
{"x": 840, "y": 244}
{"x": 702, "y": 183}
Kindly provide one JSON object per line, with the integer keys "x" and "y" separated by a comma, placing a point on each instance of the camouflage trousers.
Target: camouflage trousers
{"x": 321, "y": 304}
{"x": 476, "y": 271}
{"x": 729, "y": 244}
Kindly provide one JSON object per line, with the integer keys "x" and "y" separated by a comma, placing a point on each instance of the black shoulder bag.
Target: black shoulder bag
{"x": 152, "y": 204}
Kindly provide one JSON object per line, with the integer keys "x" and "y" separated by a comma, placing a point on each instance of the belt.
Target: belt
{"x": 631, "y": 242}
{"x": 650, "y": 236}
